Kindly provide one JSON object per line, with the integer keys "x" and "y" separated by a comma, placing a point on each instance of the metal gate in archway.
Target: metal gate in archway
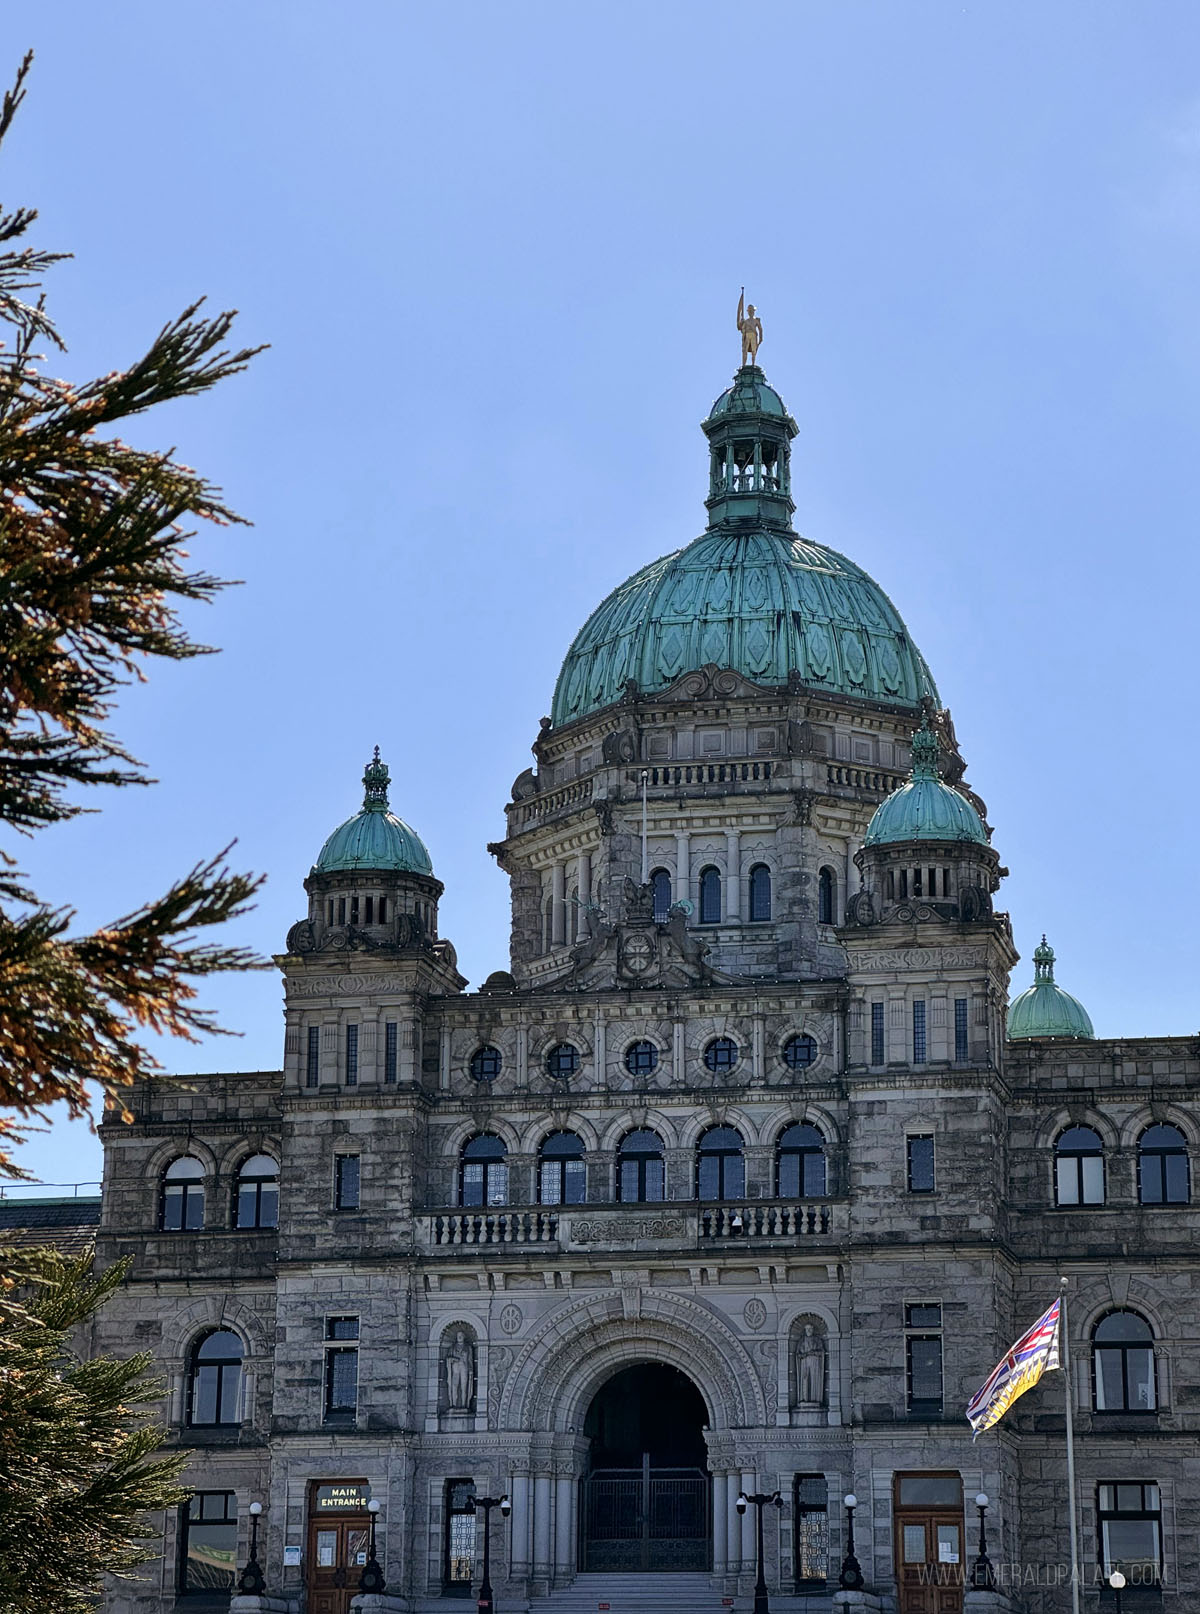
{"x": 649, "y": 1519}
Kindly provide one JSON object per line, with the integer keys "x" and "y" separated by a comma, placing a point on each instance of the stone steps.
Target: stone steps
{"x": 663, "y": 1594}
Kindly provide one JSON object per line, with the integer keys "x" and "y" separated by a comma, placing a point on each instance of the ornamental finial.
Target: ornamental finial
{"x": 925, "y": 752}
{"x": 750, "y": 326}
{"x": 376, "y": 779}
{"x": 1043, "y": 961}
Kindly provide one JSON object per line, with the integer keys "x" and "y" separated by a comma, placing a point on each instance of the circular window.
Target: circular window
{"x": 563, "y": 1060}
{"x": 799, "y": 1052}
{"x": 485, "y": 1064}
{"x": 721, "y": 1054}
{"x": 641, "y": 1058}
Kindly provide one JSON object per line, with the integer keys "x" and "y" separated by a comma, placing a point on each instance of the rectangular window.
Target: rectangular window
{"x": 341, "y": 1368}
{"x": 459, "y": 1568}
{"x": 208, "y": 1544}
{"x": 354, "y": 910}
{"x": 812, "y": 1531}
{"x": 345, "y": 1181}
{"x": 923, "y": 1359}
{"x": 877, "y": 1050}
{"x": 341, "y": 910}
{"x": 383, "y": 910}
{"x": 1130, "y": 1519}
{"x": 370, "y": 910}
{"x": 918, "y": 1023}
{"x": 920, "y": 1163}
{"x": 351, "y": 1056}
{"x": 391, "y": 1041}
{"x": 961, "y": 1050}
{"x": 312, "y": 1072}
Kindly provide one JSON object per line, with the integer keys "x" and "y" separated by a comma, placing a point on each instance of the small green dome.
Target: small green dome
{"x": 750, "y": 394}
{"x": 925, "y": 809}
{"x": 1044, "y": 1009}
{"x": 374, "y": 838}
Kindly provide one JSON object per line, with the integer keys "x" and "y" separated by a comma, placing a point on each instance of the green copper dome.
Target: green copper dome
{"x": 925, "y": 809}
{"x": 374, "y": 838}
{"x": 748, "y": 594}
{"x": 1044, "y": 1009}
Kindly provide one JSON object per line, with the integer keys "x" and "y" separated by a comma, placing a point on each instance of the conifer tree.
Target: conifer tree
{"x": 92, "y": 574}
{"x": 78, "y": 1475}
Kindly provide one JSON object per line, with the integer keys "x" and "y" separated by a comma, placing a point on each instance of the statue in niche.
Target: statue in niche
{"x": 810, "y": 1368}
{"x": 460, "y": 1373}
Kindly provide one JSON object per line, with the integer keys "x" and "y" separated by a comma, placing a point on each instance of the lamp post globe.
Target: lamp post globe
{"x": 983, "y": 1576}
{"x": 252, "y": 1582}
{"x": 851, "y": 1578}
{"x": 371, "y": 1580}
{"x": 1117, "y": 1581}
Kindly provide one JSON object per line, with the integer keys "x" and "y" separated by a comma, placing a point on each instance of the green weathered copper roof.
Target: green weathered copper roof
{"x": 374, "y": 839}
{"x": 748, "y": 594}
{"x": 925, "y": 808}
{"x": 1044, "y": 1009}
{"x": 750, "y": 394}
{"x": 767, "y": 604}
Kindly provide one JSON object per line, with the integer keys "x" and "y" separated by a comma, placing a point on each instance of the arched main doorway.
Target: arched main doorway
{"x": 646, "y": 1500}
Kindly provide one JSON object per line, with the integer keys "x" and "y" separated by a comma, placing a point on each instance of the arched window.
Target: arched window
{"x": 1163, "y": 1167}
{"x": 800, "y": 1163}
{"x": 215, "y": 1381}
{"x": 720, "y": 1164}
{"x": 183, "y": 1196}
{"x": 640, "y": 1171}
{"x": 1080, "y": 1167}
{"x": 660, "y": 882}
{"x": 562, "y": 1060}
{"x": 1123, "y": 1364}
{"x": 561, "y": 1173}
{"x": 710, "y": 896}
{"x": 826, "y": 892}
{"x": 760, "y": 892}
{"x": 484, "y": 1171}
{"x": 257, "y": 1203}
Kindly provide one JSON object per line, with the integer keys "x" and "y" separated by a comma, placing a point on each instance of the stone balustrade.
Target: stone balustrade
{"x": 655, "y": 1224}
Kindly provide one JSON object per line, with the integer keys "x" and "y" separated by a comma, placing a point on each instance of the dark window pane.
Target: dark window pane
{"x": 574, "y": 1182}
{"x": 485, "y": 1064}
{"x": 341, "y": 1328}
{"x": 268, "y": 1205}
{"x": 231, "y": 1384}
{"x": 563, "y": 1060}
{"x": 799, "y": 1052}
{"x": 172, "y": 1219}
{"x": 347, "y": 1182}
{"x": 1177, "y": 1179}
{"x": 661, "y": 882}
{"x": 472, "y": 1183}
{"x": 923, "y": 1316}
{"x": 788, "y": 1182}
{"x": 641, "y": 1058}
{"x": 760, "y": 892}
{"x": 341, "y": 1380}
{"x": 925, "y": 1369}
{"x": 247, "y": 1205}
{"x": 920, "y": 1165}
{"x": 814, "y": 1174}
{"x": 825, "y": 897}
{"x": 877, "y": 1047}
{"x": 961, "y": 1045}
{"x": 710, "y": 1177}
{"x": 721, "y": 1054}
{"x": 710, "y": 897}
{"x": 390, "y": 1045}
{"x": 204, "y": 1395}
{"x": 655, "y": 1177}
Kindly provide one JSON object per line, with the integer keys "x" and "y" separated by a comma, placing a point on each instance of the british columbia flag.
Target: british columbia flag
{"x": 1034, "y": 1353}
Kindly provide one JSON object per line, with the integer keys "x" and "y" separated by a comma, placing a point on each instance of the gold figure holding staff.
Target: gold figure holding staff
{"x": 749, "y": 324}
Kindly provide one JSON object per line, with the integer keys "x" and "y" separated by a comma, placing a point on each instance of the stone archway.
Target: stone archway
{"x": 645, "y": 1503}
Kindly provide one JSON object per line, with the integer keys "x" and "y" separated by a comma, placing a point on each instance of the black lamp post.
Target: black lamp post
{"x": 983, "y": 1576}
{"x": 851, "y": 1577}
{"x": 371, "y": 1580}
{"x": 1117, "y": 1580}
{"x": 252, "y": 1582}
{"x": 486, "y": 1605}
{"x": 760, "y": 1499}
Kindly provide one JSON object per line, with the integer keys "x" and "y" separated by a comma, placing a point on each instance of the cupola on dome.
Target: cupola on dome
{"x": 749, "y": 594}
{"x": 1044, "y": 1009}
{"x": 925, "y": 808}
{"x": 374, "y": 838}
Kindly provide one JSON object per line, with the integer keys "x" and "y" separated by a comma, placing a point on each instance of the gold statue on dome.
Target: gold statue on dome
{"x": 749, "y": 324}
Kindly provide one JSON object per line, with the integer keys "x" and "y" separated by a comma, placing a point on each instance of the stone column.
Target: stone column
{"x": 541, "y": 1526}
{"x": 733, "y": 1525}
{"x": 583, "y": 878}
{"x": 720, "y": 1542}
{"x": 558, "y": 907}
{"x": 564, "y": 1535}
{"x": 749, "y": 1545}
{"x": 520, "y": 1527}
{"x": 733, "y": 876}
{"x": 683, "y": 867}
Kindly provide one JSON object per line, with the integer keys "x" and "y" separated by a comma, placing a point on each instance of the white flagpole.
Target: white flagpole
{"x": 645, "y": 846}
{"x": 1064, "y": 1346}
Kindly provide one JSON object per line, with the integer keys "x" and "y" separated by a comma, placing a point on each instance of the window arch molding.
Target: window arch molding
{"x": 1052, "y": 1127}
{"x": 1132, "y": 1126}
{"x": 640, "y": 1120}
{"x": 575, "y": 1034}
{"x": 699, "y": 1122}
{"x": 452, "y": 1141}
{"x": 181, "y": 1331}
{"x": 541, "y": 1126}
{"x": 798, "y": 1114}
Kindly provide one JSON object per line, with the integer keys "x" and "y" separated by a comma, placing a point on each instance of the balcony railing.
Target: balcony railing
{"x": 664, "y": 1224}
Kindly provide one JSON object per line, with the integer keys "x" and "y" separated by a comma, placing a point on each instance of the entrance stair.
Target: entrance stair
{"x": 662, "y": 1594}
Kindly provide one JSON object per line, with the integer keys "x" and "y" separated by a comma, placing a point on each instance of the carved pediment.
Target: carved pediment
{"x": 709, "y": 682}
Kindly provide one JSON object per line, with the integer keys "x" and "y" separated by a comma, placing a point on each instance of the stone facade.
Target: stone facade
{"x": 808, "y": 1301}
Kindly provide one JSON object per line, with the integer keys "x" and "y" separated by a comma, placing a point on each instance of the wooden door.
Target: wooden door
{"x": 930, "y": 1543}
{"x": 337, "y": 1552}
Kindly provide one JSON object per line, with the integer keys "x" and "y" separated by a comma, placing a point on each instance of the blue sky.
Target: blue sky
{"x": 496, "y": 250}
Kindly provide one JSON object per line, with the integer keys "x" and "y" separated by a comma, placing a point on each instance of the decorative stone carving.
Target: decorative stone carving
{"x": 754, "y": 1313}
{"x": 620, "y": 748}
{"x": 300, "y": 938}
{"x": 861, "y": 909}
{"x": 460, "y": 1372}
{"x": 525, "y": 785}
{"x": 917, "y": 958}
{"x": 511, "y": 1319}
{"x": 626, "y": 1230}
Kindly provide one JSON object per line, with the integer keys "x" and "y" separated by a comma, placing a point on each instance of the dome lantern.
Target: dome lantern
{"x": 749, "y": 432}
{"x": 374, "y": 839}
